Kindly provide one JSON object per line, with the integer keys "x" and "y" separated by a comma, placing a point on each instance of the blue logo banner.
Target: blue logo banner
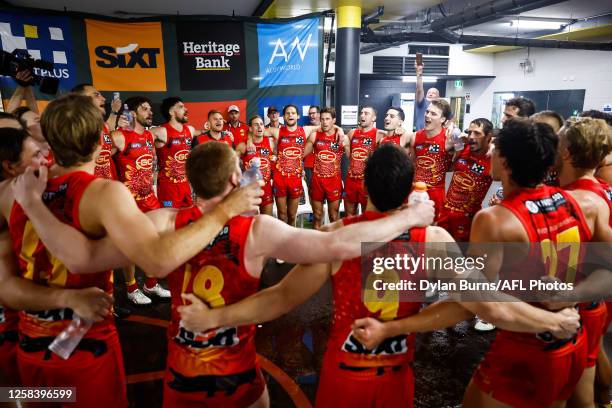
{"x": 44, "y": 37}
{"x": 289, "y": 53}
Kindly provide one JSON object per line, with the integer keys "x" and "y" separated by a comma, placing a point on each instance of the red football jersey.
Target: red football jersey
{"x": 105, "y": 167}
{"x": 348, "y": 295}
{"x": 173, "y": 155}
{"x": 362, "y": 145}
{"x": 217, "y": 276}
{"x": 264, "y": 151}
{"x": 470, "y": 183}
{"x": 135, "y": 164}
{"x": 226, "y": 137}
{"x": 290, "y": 149}
{"x": 395, "y": 139}
{"x": 240, "y": 132}
{"x": 328, "y": 152}
{"x": 62, "y": 196}
{"x": 432, "y": 161}
{"x": 599, "y": 187}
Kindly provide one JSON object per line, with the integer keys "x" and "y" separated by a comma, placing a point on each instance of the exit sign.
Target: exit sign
{"x": 458, "y": 83}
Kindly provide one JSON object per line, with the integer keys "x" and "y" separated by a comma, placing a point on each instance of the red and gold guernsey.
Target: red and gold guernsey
{"x": 432, "y": 161}
{"x": 328, "y": 151}
{"x": 8, "y": 319}
{"x": 598, "y": 186}
{"x": 348, "y": 295}
{"x": 362, "y": 145}
{"x": 470, "y": 183}
{"x": 105, "y": 167}
{"x": 135, "y": 164}
{"x": 62, "y": 197}
{"x": 290, "y": 149}
{"x": 226, "y": 137}
{"x": 172, "y": 157}
{"x": 217, "y": 276}
{"x": 395, "y": 139}
{"x": 264, "y": 151}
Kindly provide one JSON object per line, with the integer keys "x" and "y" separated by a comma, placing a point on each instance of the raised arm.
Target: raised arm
{"x": 309, "y": 246}
{"x": 111, "y": 121}
{"x": 294, "y": 289}
{"x": 420, "y": 91}
{"x": 160, "y": 134}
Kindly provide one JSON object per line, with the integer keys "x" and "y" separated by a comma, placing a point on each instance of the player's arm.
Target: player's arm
{"x": 194, "y": 132}
{"x": 298, "y": 245}
{"x": 420, "y": 91}
{"x": 22, "y": 294}
{"x": 160, "y": 134}
{"x": 241, "y": 149}
{"x": 268, "y": 132}
{"x": 502, "y": 309}
{"x": 118, "y": 140}
{"x": 159, "y": 254}
{"x": 115, "y": 106}
{"x": 23, "y": 93}
{"x": 310, "y": 143}
{"x": 294, "y": 289}
{"x": 77, "y": 252}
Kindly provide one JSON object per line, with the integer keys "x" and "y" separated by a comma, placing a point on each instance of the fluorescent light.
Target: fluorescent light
{"x": 414, "y": 79}
{"x": 537, "y": 24}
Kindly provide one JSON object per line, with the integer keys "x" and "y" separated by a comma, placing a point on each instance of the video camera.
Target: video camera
{"x": 21, "y": 60}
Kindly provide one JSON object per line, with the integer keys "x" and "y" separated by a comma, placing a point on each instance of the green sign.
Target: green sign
{"x": 458, "y": 83}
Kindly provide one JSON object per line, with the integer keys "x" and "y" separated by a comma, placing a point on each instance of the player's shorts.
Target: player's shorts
{"x": 323, "y": 188}
{"x": 372, "y": 387}
{"x": 267, "y": 198}
{"x": 231, "y": 391}
{"x": 174, "y": 195}
{"x": 287, "y": 186}
{"x": 593, "y": 318}
{"x": 9, "y": 374}
{"x": 148, "y": 204}
{"x": 523, "y": 371}
{"x": 458, "y": 224}
{"x": 95, "y": 369}
{"x": 355, "y": 192}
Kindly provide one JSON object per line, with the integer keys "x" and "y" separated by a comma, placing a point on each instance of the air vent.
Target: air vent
{"x": 405, "y": 65}
{"x": 388, "y": 65}
{"x": 428, "y": 50}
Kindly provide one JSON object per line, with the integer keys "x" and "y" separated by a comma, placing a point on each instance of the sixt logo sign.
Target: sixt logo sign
{"x": 129, "y": 56}
{"x": 289, "y": 53}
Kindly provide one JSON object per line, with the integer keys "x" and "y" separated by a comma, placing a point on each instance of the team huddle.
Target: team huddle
{"x": 82, "y": 196}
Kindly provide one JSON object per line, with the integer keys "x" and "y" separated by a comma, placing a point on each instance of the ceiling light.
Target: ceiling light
{"x": 537, "y": 24}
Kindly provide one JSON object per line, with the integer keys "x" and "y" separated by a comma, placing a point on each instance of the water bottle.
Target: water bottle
{"x": 249, "y": 176}
{"x": 457, "y": 140}
{"x": 129, "y": 116}
{"x": 419, "y": 193}
{"x": 65, "y": 342}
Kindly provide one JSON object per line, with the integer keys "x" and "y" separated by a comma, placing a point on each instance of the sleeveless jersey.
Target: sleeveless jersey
{"x": 9, "y": 319}
{"x": 226, "y": 137}
{"x": 105, "y": 167}
{"x": 173, "y": 155}
{"x": 62, "y": 196}
{"x": 395, "y": 139}
{"x": 431, "y": 161}
{"x": 328, "y": 152}
{"x": 135, "y": 164}
{"x": 264, "y": 151}
{"x": 290, "y": 149}
{"x": 599, "y": 187}
{"x": 362, "y": 145}
{"x": 347, "y": 289}
{"x": 217, "y": 276}
{"x": 470, "y": 183}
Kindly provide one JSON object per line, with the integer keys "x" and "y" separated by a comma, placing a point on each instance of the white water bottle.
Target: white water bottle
{"x": 68, "y": 340}
{"x": 457, "y": 140}
{"x": 419, "y": 193}
{"x": 129, "y": 116}
{"x": 249, "y": 176}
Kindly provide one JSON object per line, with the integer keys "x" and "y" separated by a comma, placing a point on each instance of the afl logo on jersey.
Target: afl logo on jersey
{"x": 359, "y": 154}
{"x": 292, "y": 153}
{"x": 326, "y": 156}
{"x": 532, "y": 207}
{"x": 181, "y": 155}
{"x": 144, "y": 162}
